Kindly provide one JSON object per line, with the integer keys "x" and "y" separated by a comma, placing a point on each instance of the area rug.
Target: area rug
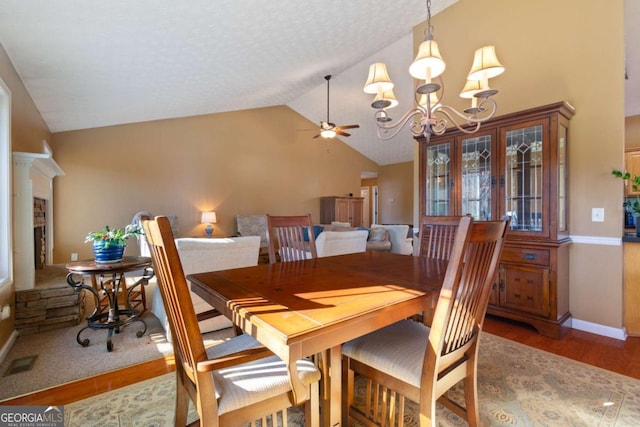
{"x": 518, "y": 386}
{"x": 60, "y": 359}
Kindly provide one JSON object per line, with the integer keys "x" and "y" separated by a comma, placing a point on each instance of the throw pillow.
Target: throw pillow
{"x": 378, "y": 235}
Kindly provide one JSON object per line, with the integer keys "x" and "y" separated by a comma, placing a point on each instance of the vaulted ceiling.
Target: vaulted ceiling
{"x": 90, "y": 63}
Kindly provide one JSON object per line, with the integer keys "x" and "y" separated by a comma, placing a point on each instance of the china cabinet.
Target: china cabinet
{"x": 516, "y": 165}
{"x": 342, "y": 209}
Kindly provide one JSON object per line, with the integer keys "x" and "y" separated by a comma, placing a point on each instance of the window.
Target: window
{"x": 5, "y": 185}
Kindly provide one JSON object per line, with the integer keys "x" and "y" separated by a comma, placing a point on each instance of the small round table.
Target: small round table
{"x": 108, "y": 279}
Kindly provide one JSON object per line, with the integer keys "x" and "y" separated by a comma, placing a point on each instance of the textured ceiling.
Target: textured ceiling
{"x": 90, "y": 63}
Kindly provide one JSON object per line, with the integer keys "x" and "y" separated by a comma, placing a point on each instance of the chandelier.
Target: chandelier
{"x": 430, "y": 116}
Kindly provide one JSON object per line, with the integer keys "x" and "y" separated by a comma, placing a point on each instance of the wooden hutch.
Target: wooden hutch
{"x": 514, "y": 165}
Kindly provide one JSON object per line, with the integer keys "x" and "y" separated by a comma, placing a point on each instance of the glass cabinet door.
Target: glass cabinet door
{"x": 477, "y": 180}
{"x": 523, "y": 178}
{"x": 438, "y": 179}
{"x": 563, "y": 177}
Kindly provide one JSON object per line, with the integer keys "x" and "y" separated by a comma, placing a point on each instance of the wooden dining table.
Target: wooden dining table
{"x": 299, "y": 309}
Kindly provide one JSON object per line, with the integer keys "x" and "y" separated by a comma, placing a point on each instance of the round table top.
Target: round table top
{"x": 128, "y": 263}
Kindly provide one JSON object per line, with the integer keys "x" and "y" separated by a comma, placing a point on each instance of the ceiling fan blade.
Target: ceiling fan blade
{"x": 348, "y": 127}
{"x": 339, "y": 132}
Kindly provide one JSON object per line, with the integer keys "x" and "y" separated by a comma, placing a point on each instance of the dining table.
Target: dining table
{"x": 305, "y": 308}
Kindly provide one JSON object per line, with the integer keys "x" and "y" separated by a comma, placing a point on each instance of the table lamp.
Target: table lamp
{"x": 209, "y": 218}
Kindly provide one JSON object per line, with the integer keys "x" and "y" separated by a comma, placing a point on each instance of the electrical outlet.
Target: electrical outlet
{"x": 74, "y": 256}
{"x": 597, "y": 214}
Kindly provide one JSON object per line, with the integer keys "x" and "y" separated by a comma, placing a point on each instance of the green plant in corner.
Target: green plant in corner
{"x": 635, "y": 184}
{"x": 114, "y": 237}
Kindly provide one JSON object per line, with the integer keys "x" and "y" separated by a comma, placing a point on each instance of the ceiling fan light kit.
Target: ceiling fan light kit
{"x": 329, "y": 130}
{"x": 430, "y": 116}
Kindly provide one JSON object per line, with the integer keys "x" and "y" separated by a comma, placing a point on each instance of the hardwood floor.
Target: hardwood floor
{"x": 607, "y": 353}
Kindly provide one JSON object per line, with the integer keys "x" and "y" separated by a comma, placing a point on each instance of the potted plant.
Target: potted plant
{"x": 109, "y": 244}
{"x": 632, "y": 207}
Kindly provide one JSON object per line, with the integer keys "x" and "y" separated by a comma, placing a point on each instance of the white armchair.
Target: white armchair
{"x": 329, "y": 243}
{"x": 199, "y": 255}
{"x": 400, "y": 243}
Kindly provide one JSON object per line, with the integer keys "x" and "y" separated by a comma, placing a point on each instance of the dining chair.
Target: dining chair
{"x": 436, "y": 235}
{"x": 231, "y": 384}
{"x": 290, "y": 238}
{"x": 435, "y": 240}
{"x": 409, "y": 360}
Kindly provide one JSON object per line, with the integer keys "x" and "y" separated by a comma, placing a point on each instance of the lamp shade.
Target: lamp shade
{"x": 428, "y": 63}
{"x": 433, "y": 99}
{"x": 485, "y": 64}
{"x": 471, "y": 88}
{"x": 378, "y": 79}
{"x": 208, "y": 217}
{"x": 386, "y": 99}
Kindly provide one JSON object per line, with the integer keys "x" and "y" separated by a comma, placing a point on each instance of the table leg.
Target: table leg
{"x": 335, "y": 398}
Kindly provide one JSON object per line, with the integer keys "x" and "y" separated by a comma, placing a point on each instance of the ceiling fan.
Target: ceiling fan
{"x": 328, "y": 129}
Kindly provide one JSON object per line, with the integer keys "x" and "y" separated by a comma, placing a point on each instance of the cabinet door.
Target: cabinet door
{"x": 478, "y": 181}
{"x": 632, "y": 165}
{"x": 438, "y": 179}
{"x": 356, "y": 212}
{"x": 525, "y": 289}
{"x": 523, "y": 181}
{"x": 342, "y": 210}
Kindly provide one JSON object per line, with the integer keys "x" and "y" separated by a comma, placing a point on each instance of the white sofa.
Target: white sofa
{"x": 330, "y": 243}
{"x": 400, "y": 243}
{"x": 199, "y": 255}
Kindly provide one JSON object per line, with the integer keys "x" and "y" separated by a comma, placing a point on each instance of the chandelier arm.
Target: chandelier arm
{"x": 450, "y": 112}
{"x": 383, "y": 129}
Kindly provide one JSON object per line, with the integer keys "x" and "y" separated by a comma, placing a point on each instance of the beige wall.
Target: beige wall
{"x": 395, "y": 194}
{"x": 547, "y": 48}
{"x": 632, "y": 132}
{"x": 243, "y": 162}
{"x": 27, "y": 133}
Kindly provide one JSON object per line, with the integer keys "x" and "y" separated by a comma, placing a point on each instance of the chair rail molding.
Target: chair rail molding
{"x": 33, "y": 175}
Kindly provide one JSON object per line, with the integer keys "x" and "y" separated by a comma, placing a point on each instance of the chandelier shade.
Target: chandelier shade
{"x": 428, "y": 63}
{"x": 386, "y": 99}
{"x": 378, "y": 79}
{"x": 485, "y": 64}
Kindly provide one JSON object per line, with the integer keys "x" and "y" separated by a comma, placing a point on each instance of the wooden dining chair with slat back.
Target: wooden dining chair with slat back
{"x": 435, "y": 240}
{"x": 290, "y": 238}
{"x": 230, "y": 384}
{"x": 448, "y": 351}
{"x": 436, "y": 235}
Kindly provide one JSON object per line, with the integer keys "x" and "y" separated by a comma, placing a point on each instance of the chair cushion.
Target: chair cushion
{"x": 397, "y": 350}
{"x": 252, "y": 382}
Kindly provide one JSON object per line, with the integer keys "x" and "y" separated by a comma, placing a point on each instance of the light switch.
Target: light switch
{"x": 597, "y": 214}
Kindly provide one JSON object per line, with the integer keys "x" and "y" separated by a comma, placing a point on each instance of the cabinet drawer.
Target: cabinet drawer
{"x": 525, "y": 256}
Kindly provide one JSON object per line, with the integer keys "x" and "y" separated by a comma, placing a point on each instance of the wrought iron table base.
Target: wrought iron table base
{"x": 111, "y": 320}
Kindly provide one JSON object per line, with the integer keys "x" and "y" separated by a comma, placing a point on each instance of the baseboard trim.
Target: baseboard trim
{"x": 4, "y": 351}
{"x": 595, "y": 328}
{"x": 596, "y": 240}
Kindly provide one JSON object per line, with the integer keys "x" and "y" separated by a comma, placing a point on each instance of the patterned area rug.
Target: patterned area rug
{"x": 518, "y": 386}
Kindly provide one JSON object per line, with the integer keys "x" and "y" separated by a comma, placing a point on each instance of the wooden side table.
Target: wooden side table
{"x": 108, "y": 281}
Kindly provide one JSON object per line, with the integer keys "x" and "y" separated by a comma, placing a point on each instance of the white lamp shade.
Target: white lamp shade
{"x": 378, "y": 79}
{"x": 485, "y": 64}
{"x": 471, "y": 88}
{"x": 208, "y": 217}
{"x": 387, "y": 95}
{"x": 428, "y": 63}
{"x": 433, "y": 98}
